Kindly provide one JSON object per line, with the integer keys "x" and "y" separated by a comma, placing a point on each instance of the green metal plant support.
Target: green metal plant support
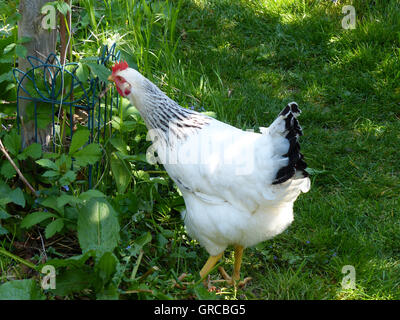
{"x": 51, "y": 87}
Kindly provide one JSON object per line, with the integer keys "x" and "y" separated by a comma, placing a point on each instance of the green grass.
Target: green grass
{"x": 245, "y": 60}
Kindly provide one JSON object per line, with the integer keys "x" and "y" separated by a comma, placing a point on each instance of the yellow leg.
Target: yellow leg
{"x": 212, "y": 260}
{"x": 238, "y": 262}
{"x": 236, "y": 269}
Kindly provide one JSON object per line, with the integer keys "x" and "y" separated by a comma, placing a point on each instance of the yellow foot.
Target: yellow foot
{"x": 233, "y": 280}
{"x": 210, "y": 284}
{"x": 181, "y": 285}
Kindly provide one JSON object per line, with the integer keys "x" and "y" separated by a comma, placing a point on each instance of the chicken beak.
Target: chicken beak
{"x": 111, "y": 78}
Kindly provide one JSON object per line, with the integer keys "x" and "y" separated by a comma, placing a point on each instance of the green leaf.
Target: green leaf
{"x": 159, "y": 180}
{"x": 17, "y": 196}
{"x": 50, "y": 155}
{"x": 6, "y": 59}
{"x": 21, "y": 290}
{"x": 8, "y": 48}
{"x": 100, "y": 71}
{"x": 71, "y": 213}
{"x": 20, "y": 51}
{"x": 79, "y": 139}
{"x": 72, "y": 262}
{"x": 121, "y": 173}
{"x": 143, "y": 175}
{"x": 82, "y": 73}
{"x": 4, "y": 215}
{"x": 132, "y": 157}
{"x": 68, "y": 178}
{"x": 12, "y": 142}
{"x": 51, "y": 202}
{"x": 203, "y": 294}
{"x": 63, "y": 7}
{"x": 73, "y": 280}
{"x": 6, "y": 76}
{"x": 34, "y": 151}
{"x": 119, "y": 144}
{"x": 140, "y": 243}
{"x": 109, "y": 293}
{"x": 106, "y": 267}
{"x": 143, "y": 239}
{"x": 66, "y": 198}
{"x": 7, "y": 170}
{"x": 47, "y": 163}
{"x": 98, "y": 227}
{"x": 5, "y": 190}
{"x": 54, "y": 227}
{"x": 87, "y": 195}
{"x": 9, "y": 87}
{"x": 35, "y": 218}
{"x": 64, "y": 162}
{"x": 50, "y": 174}
{"x": 128, "y": 126}
{"x": 88, "y": 155}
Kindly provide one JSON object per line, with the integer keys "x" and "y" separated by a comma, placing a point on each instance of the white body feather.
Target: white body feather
{"x": 225, "y": 176}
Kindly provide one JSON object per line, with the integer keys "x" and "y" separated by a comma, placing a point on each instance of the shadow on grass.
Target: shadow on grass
{"x": 268, "y": 58}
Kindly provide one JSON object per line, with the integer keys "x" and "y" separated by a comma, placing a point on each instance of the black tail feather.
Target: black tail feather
{"x": 296, "y": 159}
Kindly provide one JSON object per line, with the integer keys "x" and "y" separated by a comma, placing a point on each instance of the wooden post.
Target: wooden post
{"x": 42, "y": 44}
{"x": 65, "y": 47}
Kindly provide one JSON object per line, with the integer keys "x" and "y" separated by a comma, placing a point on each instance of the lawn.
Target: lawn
{"x": 244, "y": 61}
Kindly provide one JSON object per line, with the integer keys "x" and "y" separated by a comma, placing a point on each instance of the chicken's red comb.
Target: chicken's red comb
{"x": 119, "y": 66}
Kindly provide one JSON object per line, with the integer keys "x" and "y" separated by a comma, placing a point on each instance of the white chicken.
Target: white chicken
{"x": 238, "y": 186}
